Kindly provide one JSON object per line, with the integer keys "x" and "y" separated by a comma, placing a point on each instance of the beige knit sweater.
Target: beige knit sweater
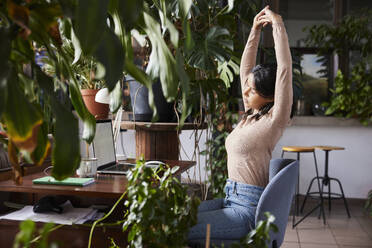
{"x": 249, "y": 146}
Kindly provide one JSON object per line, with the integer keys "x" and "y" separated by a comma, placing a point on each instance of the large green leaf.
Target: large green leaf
{"x": 116, "y": 98}
{"x": 162, "y": 63}
{"x": 130, "y": 11}
{"x": 43, "y": 145}
{"x": 90, "y": 22}
{"x": 167, "y": 24}
{"x": 66, "y": 148}
{"x": 228, "y": 69}
{"x": 5, "y": 45}
{"x": 185, "y": 87}
{"x": 184, "y": 7}
{"x": 111, "y": 54}
{"x": 21, "y": 117}
{"x": 77, "y": 47}
{"x": 215, "y": 45}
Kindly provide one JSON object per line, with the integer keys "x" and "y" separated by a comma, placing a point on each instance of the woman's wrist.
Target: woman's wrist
{"x": 256, "y": 28}
{"x": 277, "y": 20}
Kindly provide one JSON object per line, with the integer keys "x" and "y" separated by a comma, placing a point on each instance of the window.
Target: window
{"x": 298, "y": 14}
{"x": 315, "y": 78}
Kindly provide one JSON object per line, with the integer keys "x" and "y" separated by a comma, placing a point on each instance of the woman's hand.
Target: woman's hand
{"x": 258, "y": 23}
{"x": 269, "y": 17}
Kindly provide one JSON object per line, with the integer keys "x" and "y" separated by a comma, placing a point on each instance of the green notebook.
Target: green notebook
{"x": 74, "y": 181}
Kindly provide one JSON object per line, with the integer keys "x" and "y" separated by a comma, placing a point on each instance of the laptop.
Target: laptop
{"x": 104, "y": 151}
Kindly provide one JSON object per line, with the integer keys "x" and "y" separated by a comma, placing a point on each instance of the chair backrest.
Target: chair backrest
{"x": 277, "y": 196}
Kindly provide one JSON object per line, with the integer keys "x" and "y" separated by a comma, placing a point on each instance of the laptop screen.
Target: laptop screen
{"x": 103, "y": 143}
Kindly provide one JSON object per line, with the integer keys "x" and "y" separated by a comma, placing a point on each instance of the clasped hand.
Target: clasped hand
{"x": 264, "y": 17}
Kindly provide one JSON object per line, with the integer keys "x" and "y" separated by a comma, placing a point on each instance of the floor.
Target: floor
{"x": 339, "y": 231}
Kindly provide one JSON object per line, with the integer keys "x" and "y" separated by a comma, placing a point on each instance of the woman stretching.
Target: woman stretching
{"x": 267, "y": 95}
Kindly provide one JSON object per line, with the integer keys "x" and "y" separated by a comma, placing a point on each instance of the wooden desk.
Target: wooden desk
{"x": 106, "y": 186}
{"x": 157, "y": 140}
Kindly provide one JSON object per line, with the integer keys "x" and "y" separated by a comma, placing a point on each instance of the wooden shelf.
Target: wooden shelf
{"x": 159, "y": 126}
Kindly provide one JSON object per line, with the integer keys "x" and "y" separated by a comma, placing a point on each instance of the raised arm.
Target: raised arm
{"x": 248, "y": 60}
{"x": 283, "y": 98}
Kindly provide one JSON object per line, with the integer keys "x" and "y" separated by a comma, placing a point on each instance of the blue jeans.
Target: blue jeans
{"x": 230, "y": 218}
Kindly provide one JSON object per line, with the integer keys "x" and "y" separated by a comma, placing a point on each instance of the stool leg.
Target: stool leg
{"x": 307, "y": 193}
{"x": 320, "y": 211}
{"x": 320, "y": 190}
{"x": 343, "y": 196}
{"x": 298, "y": 188}
{"x": 329, "y": 196}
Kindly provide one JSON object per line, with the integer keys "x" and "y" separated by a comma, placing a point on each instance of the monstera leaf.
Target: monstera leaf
{"x": 210, "y": 48}
{"x": 228, "y": 69}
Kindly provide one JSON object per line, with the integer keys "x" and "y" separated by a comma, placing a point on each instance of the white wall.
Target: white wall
{"x": 352, "y": 166}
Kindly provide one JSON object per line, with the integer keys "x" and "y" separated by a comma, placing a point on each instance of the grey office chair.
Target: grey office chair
{"x": 276, "y": 199}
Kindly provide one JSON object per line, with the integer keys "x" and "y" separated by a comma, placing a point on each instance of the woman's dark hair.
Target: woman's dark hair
{"x": 264, "y": 76}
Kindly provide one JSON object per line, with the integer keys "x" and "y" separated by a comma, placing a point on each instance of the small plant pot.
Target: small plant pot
{"x": 98, "y": 110}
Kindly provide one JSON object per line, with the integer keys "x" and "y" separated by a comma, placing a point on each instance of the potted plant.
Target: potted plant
{"x": 89, "y": 74}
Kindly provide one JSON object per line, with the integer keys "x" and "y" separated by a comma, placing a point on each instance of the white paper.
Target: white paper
{"x": 69, "y": 216}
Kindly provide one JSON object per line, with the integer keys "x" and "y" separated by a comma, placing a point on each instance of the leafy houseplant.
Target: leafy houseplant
{"x": 160, "y": 212}
{"x": 351, "y": 96}
{"x": 223, "y": 123}
{"x": 258, "y": 237}
{"x": 88, "y": 71}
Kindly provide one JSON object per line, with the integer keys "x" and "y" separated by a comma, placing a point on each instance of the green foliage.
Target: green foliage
{"x": 351, "y": 96}
{"x": 222, "y": 124}
{"x": 259, "y": 237}
{"x": 28, "y": 236}
{"x": 160, "y": 211}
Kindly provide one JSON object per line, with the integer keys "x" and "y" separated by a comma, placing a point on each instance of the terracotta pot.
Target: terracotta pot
{"x": 98, "y": 110}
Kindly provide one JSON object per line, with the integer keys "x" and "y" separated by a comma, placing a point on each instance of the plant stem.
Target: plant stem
{"x": 51, "y": 230}
{"x": 104, "y": 217}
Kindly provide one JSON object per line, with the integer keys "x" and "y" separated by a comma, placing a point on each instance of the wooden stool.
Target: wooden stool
{"x": 299, "y": 150}
{"x": 326, "y": 181}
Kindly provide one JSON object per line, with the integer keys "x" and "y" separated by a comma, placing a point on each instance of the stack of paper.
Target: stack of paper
{"x": 69, "y": 216}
